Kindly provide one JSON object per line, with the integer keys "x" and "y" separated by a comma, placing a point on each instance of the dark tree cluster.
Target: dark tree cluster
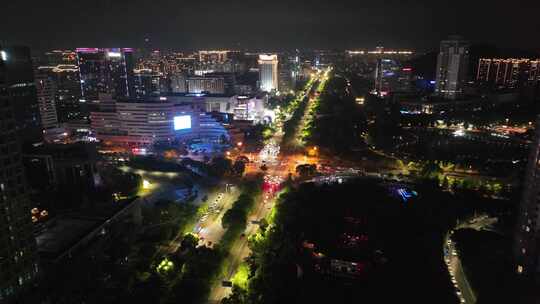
{"x": 339, "y": 121}
{"x": 409, "y": 235}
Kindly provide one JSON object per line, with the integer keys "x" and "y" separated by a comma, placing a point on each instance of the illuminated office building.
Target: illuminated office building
{"x": 68, "y": 89}
{"x": 211, "y": 85}
{"x": 60, "y": 57}
{"x": 534, "y": 72}
{"x": 147, "y": 82}
{"x": 215, "y": 56}
{"x": 178, "y": 83}
{"x": 105, "y": 71}
{"x": 46, "y": 91}
{"x": 268, "y": 72}
{"x": 18, "y": 261}
{"x": 506, "y": 73}
{"x": 147, "y": 121}
{"x": 386, "y": 74}
{"x": 371, "y": 56}
{"x": 452, "y": 67}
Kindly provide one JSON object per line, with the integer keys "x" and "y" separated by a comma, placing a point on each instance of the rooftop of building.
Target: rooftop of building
{"x": 63, "y": 232}
{"x": 60, "y": 151}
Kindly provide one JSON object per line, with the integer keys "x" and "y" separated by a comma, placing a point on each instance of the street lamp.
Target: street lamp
{"x": 146, "y": 184}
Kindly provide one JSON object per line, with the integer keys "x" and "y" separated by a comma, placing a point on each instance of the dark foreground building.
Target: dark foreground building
{"x": 21, "y": 88}
{"x": 526, "y": 243}
{"x": 18, "y": 264}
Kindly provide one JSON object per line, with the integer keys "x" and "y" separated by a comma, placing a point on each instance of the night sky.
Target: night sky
{"x": 181, "y": 24}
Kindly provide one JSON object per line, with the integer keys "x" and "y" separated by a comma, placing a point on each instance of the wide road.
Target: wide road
{"x": 209, "y": 228}
{"x": 279, "y": 166}
{"x": 240, "y": 249}
{"x": 208, "y": 225}
{"x": 464, "y": 291}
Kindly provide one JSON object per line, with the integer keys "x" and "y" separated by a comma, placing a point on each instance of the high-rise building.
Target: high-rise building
{"x": 212, "y": 85}
{"x": 61, "y": 67}
{"x": 147, "y": 82}
{"x": 404, "y": 79}
{"x": 534, "y": 72}
{"x": 363, "y": 57}
{"x": 527, "y": 233}
{"x": 229, "y": 80}
{"x": 285, "y": 78}
{"x": 268, "y": 72}
{"x": 46, "y": 91}
{"x": 506, "y": 73}
{"x": 391, "y": 77}
{"x": 68, "y": 92}
{"x": 215, "y": 56}
{"x": 60, "y": 57}
{"x": 223, "y": 61}
{"x": 105, "y": 71}
{"x": 386, "y": 74}
{"x": 178, "y": 83}
{"x": 452, "y": 67}
{"x": 18, "y": 262}
{"x": 19, "y": 76}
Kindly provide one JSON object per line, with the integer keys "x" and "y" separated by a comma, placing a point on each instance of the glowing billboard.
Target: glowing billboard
{"x": 182, "y": 122}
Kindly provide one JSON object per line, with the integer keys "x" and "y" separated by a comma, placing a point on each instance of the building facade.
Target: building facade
{"x": 508, "y": 73}
{"x": 215, "y": 56}
{"x": 105, "y": 71}
{"x": 211, "y": 85}
{"x": 285, "y": 77}
{"x": 46, "y": 92}
{"x": 68, "y": 89}
{"x": 145, "y": 123}
{"x": 18, "y": 260}
{"x": 268, "y": 73}
{"x": 178, "y": 83}
{"x": 19, "y": 78}
{"x": 527, "y": 233}
{"x": 60, "y": 57}
{"x": 452, "y": 67}
{"x": 142, "y": 122}
{"x": 148, "y": 82}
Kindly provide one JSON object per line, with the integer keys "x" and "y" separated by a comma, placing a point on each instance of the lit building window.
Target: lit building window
{"x": 520, "y": 269}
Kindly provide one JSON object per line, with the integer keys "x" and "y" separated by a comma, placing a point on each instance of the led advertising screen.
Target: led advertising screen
{"x": 182, "y": 122}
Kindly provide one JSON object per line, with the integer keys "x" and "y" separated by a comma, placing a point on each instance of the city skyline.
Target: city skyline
{"x": 315, "y": 24}
{"x": 266, "y": 152}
